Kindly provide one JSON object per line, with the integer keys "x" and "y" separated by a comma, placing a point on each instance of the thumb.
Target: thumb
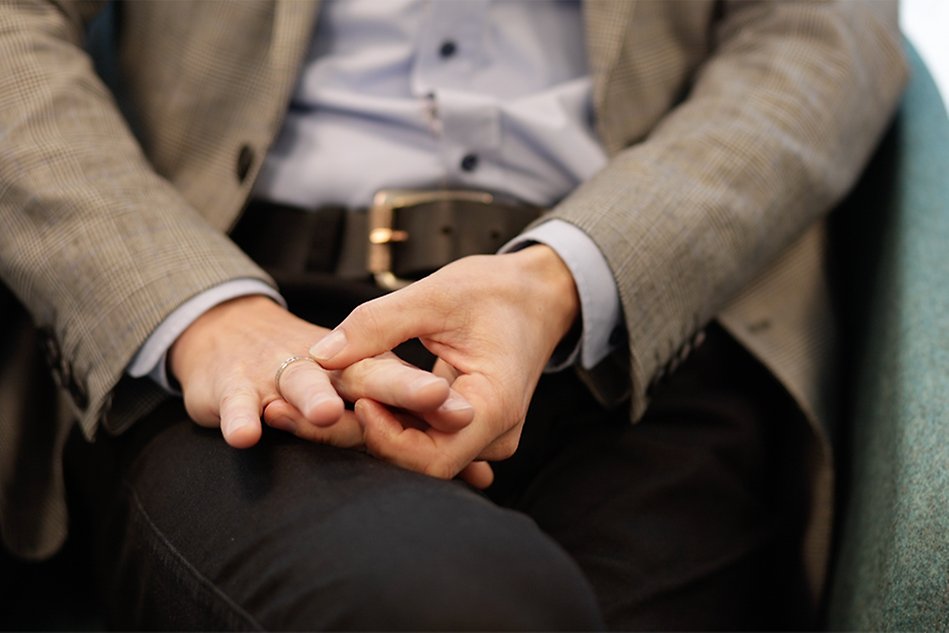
{"x": 371, "y": 329}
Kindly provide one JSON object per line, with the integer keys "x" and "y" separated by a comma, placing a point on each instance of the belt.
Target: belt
{"x": 403, "y": 236}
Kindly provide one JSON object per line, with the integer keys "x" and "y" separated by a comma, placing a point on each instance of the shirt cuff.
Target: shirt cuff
{"x": 150, "y": 358}
{"x": 601, "y": 314}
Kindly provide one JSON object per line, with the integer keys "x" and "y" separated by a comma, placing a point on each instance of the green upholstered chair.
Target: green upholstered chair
{"x": 891, "y": 565}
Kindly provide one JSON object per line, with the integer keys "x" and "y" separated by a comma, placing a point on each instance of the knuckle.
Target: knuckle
{"x": 374, "y": 318}
{"x": 235, "y": 398}
{"x": 360, "y": 371}
{"x": 233, "y": 374}
{"x": 364, "y": 315}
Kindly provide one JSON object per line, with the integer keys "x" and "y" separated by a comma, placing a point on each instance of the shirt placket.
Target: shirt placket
{"x": 465, "y": 124}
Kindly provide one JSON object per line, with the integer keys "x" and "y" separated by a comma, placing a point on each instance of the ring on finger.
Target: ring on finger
{"x": 283, "y": 368}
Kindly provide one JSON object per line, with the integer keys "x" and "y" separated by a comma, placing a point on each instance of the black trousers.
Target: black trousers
{"x": 689, "y": 520}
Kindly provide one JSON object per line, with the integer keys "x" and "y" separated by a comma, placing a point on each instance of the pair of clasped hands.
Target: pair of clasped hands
{"x": 492, "y": 321}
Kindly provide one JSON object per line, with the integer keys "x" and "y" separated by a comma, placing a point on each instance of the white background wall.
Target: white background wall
{"x": 926, "y": 24}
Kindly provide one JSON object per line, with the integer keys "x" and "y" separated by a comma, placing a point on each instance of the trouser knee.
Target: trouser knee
{"x": 440, "y": 559}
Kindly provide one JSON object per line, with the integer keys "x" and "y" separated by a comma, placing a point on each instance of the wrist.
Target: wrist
{"x": 552, "y": 286}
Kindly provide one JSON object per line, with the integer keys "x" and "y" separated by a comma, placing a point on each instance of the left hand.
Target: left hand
{"x": 493, "y": 321}
{"x": 226, "y": 361}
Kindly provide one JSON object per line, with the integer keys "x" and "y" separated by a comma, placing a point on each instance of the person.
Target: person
{"x": 685, "y": 155}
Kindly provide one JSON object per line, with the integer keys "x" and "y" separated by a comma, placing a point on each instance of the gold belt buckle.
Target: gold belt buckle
{"x": 382, "y": 231}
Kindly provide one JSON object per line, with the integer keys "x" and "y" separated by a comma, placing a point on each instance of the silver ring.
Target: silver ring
{"x": 283, "y": 368}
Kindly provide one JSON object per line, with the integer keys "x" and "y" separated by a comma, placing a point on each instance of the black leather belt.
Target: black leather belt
{"x": 403, "y": 236}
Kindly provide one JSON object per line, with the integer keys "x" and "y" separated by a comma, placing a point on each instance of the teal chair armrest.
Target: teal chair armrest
{"x": 891, "y": 569}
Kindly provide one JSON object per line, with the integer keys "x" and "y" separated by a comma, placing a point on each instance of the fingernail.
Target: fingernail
{"x": 329, "y": 346}
{"x": 455, "y": 403}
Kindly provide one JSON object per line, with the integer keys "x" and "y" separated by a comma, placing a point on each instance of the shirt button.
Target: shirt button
{"x": 447, "y": 49}
{"x": 245, "y": 158}
{"x": 469, "y": 162}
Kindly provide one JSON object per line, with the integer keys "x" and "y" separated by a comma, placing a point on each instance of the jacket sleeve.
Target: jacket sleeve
{"x": 775, "y": 128}
{"x": 96, "y": 245}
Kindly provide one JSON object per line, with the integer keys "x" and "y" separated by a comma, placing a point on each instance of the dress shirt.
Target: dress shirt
{"x": 474, "y": 94}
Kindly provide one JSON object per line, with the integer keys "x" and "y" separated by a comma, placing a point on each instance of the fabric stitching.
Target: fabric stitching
{"x": 202, "y": 580}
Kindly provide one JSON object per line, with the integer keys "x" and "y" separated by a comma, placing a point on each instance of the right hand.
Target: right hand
{"x": 226, "y": 361}
{"x": 493, "y": 321}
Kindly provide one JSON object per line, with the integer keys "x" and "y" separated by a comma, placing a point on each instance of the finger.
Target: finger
{"x": 478, "y": 474}
{"x": 379, "y": 325}
{"x": 346, "y": 432}
{"x": 282, "y": 415}
{"x": 240, "y": 417}
{"x": 429, "y": 451}
{"x": 391, "y": 381}
{"x": 451, "y": 408}
{"x": 454, "y": 414}
{"x": 307, "y": 387}
{"x": 444, "y": 370}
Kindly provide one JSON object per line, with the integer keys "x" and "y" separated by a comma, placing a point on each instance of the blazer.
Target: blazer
{"x": 732, "y": 128}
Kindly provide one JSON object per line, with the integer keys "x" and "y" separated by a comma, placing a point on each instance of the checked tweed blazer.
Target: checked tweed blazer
{"x": 732, "y": 127}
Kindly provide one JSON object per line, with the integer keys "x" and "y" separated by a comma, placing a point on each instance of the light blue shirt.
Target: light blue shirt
{"x": 476, "y": 94}
{"x": 399, "y": 93}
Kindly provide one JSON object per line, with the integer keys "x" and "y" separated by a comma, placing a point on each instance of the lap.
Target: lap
{"x": 681, "y": 521}
{"x": 289, "y": 535}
